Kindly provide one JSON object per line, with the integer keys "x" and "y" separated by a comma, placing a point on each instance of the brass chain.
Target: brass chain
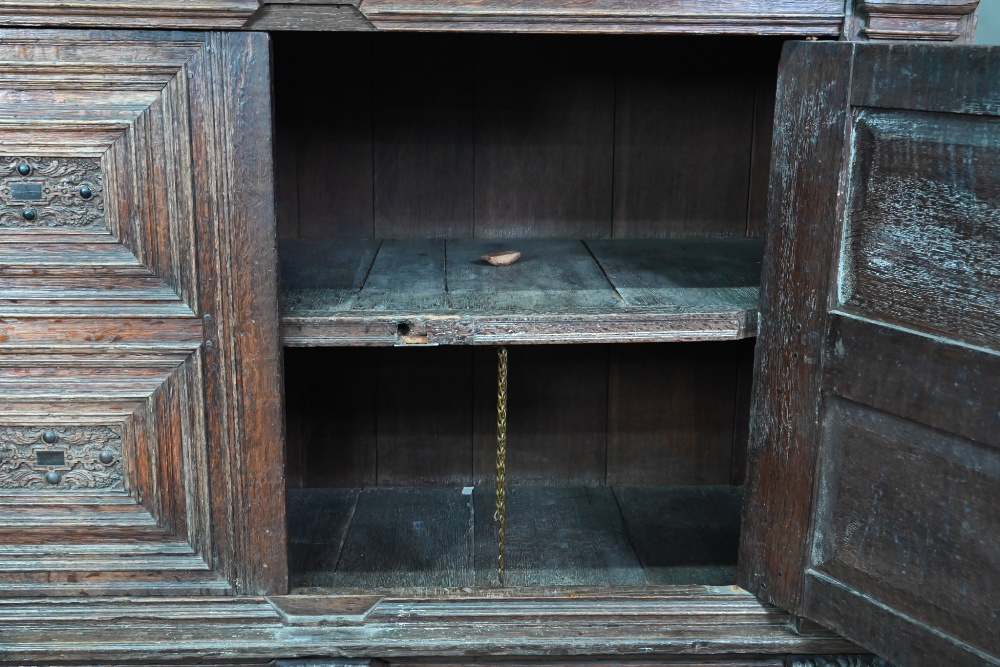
{"x": 500, "y": 516}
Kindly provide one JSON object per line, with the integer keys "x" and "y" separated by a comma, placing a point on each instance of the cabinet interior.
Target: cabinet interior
{"x": 631, "y": 172}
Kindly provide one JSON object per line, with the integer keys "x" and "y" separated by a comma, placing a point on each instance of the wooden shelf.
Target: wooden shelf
{"x": 414, "y": 292}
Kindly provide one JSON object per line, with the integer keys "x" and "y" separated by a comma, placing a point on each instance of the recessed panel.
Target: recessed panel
{"x": 923, "y": 226}
{"x": 909, "y": 516}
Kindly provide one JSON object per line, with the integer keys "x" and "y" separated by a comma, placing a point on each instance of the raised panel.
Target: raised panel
{"x": 121, "y": 312}
{"x": 884, "y": 326}
{"x": 923, "y": 223}
{"x": 907, "y": 514}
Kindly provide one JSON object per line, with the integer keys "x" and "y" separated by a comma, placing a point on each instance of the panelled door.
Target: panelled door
{"x": 873, "y": 501}
{"x": 140, "y": 425}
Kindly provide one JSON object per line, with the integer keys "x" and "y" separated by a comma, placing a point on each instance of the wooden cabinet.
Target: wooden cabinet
{"x": 139, "y": 456}
{"x": 246, "y": 475}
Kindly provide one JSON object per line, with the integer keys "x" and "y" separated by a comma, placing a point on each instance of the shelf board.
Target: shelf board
{"x": 439, "y": 292}
{"x": 380, "y": 539}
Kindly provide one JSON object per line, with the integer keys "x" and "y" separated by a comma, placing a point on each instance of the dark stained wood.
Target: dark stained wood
{"x": 294, "y": 399}
{"x": 683, "y": 535}
{"x": 473, "y": 137}
{"x": 188, "y": 229}
{"x": 912, "y": 20}
{"x": 544, "y": 129}
{"x": 423, "y": 133}
{"x": 200, "y": 14}
{"x": 812, "y": 17}
{"x": 557, "y": 415}
{"x": 906, "y": 516}
{"x": 683, "y": 140}
{"x": 316, "y": 610}
{"x": 556, "y": 536}
{"x": 454, "y": 625}
{"x": 406, "y": 537}
{"x": 670, "y": 415}
{"x": 551, "y": 275}
{"x": 923, "y": 224}
{"x": 335, "y": 186}
{"x": 316, "y": 275}
{"x": 406, "y": 276}
{"x": 435, "y": 291}
{"x": 682, "y": 275}
{"x": 802, "y": 216}
{"x": 245, "y": 417}
{"x": 308, "y": 16}
{"x": 769, "y": 662}
{"x": 318, "y": 520}
{"x": 513, "y": 328}
{"x": 760, "y": 156}
{"x": 901, "y": 438}
{"x": 744, "y": 394}
{"x": 424, "y": 416}
{"x": 932, "y": 89}
{"x": 284, "y": 83}
{"x": 336, "y": 391}
{"x": 953, "y": 393}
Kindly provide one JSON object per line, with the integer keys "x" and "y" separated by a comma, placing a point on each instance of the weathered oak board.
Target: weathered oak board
{"x": 683, "y": 534}
{"x": 386, "y": 538}
{"x": 556, "y": 536}
{"x": 439, "y": 292}
{"x": 454, "y": 624}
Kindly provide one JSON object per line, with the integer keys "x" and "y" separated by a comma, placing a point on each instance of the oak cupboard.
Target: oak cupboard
{"x": 249, "y": 371}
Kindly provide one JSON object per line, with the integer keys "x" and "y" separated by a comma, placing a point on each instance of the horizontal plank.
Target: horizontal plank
{"x": 800, "y": 17}
{"x": 67, "y": 331}
{"x": 199, "y": 14}
{"x": 440, "y": 293}
{"x": 870, "y": 363}
{"x": 313, "y": 16}
{"x": 690, "y": 620}
{"x": 154, "y": 609}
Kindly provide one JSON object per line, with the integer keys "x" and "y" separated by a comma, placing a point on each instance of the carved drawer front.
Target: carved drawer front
{"x": 136, "y": 266}
{"x": 48, "y": 459}
{"x": 51, "y": 192}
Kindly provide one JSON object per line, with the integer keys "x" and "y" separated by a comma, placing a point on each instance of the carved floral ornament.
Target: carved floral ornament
{"x": 61, "y": 458}
{"x": 51, "y": 192}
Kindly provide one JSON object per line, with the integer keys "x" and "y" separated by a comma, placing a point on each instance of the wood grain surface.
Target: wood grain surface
{"x": 136, "y": 325}
{"x": 436, "y": 291}
{"x": 508, "y": 136}
{"x": 887, "y": 483}
{"x": 803, "y": 206}
{"x": 687, "y": 622}
{"x": 197, "y": 14}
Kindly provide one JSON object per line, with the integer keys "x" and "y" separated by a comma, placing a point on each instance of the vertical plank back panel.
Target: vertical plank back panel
{"x": 683, "y": 138}
{"x": 423, "y": 136}
{"x": 556, "y": 418}
{"x": 544, "y": 133}
{"x": 334, "y": 138}
{"x": 670, "y": 417}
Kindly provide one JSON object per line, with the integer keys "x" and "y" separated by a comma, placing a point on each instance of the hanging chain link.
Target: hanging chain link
{"x": 500, "y": 516}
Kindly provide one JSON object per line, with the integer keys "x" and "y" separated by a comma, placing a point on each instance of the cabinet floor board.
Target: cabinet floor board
{"x": 557, "y": 537}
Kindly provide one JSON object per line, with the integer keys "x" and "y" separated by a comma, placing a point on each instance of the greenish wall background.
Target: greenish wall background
{"x": 988, "y": 30}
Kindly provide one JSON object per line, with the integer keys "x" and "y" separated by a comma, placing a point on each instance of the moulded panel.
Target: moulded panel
{"x": 908, "y": 515}
{"x": 923, "y": 224}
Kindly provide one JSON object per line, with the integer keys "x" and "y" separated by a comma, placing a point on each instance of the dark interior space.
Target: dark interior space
{"x": 624, "y": 461}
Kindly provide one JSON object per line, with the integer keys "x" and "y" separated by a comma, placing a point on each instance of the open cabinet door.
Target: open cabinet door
{"x": 873, "y": 493}
{"x": 140, "y": 417}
